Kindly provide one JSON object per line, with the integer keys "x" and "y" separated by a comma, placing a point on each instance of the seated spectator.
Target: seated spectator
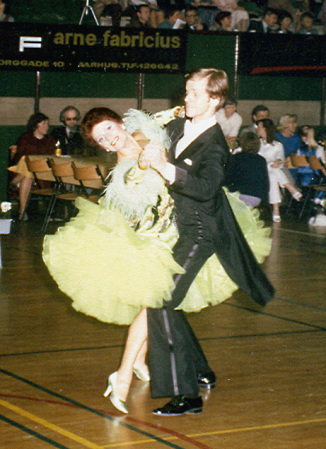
{"x": 309, "y": 147}
{"x": 259, "y": 112}
{"x": 230, "y": 121}
{"x": 267, "y": 24}
{"x": 113, "y": 10}
{"x": 173, "y": 14}
{"x": 68, "y": 135}
{"x": 306, "y": 24}
{"x": 141, "y": 18}
{"x": 4, "y": 12}
{"x": 322, "y": 15}
{"x": 239, "y": 16}
{"x": 222, "y": 22}
{"x": 247, "y": 172}
{"x": 193, "y": 21}
{"x": 35, "y": 141}
{"x": 286, "y": 134}
{"x": 285, "y": 21}
{"x": 273, "y": 152}
{"x": 100, "y": 5}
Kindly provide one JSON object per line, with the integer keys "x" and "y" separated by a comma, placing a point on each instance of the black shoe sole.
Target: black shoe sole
{"x": 207, "y": 386}
{"x": 194, "y": 411}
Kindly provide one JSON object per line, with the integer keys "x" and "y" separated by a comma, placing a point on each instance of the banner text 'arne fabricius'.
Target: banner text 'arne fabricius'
{"x": 118, "y": 39}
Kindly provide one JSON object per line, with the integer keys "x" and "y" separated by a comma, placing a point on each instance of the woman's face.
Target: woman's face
{"x": 2, "y": 7}
{"x": 43, "y": 127}
{"x": 110, "y": 135}
{"x": 261, "y": 131}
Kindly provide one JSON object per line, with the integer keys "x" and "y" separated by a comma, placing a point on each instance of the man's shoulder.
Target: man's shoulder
{"x": 176, "y": 126}
{"x": 58, "y": 131}
{"x": 256, "y": 25}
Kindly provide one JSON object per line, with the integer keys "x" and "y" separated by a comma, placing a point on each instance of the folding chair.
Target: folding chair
{"x": 91, "y": 173}
{"x": 61, "y": 173}
{"x": 37, "y": 167}
{"x": 308, "y": 191}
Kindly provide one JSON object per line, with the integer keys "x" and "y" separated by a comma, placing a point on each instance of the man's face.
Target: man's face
{"x": 191, "y": 17}
{"x": 286, "y": 22}
{"x": 270, "y": 19}
{"x": 292, "y": 126}
{"x": 307, "y": 23}
{"x": 229, "y": 110}
{"x": 144, "y": 14}
{"x": 226, "y": 22}
{"x": 177, "y": 15}
{"x": 199, "y": 105}
{"x": 70, "y": 119}
{"x": 261, "y": 115}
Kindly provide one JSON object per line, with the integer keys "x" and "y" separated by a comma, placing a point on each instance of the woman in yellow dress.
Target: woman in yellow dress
{"x": 114, "y": 259}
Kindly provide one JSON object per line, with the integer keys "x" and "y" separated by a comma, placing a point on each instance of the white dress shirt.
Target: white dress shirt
{"x": 191, "y": 132}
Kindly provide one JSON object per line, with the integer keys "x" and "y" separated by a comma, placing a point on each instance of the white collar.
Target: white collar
{"x": 192, "y": 131}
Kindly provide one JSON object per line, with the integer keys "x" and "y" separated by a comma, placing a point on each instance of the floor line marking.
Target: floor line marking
{"x": 304, "y": 304}
{"x": 225, "y": 337}
{"x": 314, "y": 326}
{"x": 49, "y": 425}
{"x": 228, "y": 431}
{"x": 175, "y": 434}
{"x": 117, "y": 420}
{"x": 302, "y": 233}
{"x": 32, "y": 432}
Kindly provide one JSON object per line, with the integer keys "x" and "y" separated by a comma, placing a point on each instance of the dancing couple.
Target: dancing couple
{"x": 165, "y": 240}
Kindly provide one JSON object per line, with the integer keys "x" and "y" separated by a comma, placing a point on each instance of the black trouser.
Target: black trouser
{"x": 176, "y": 356}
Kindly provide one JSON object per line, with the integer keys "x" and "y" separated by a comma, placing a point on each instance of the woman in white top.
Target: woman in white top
{"x": 273, "y": 152}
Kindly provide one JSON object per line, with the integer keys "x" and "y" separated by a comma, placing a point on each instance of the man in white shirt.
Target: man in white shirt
{"x": 195, "y": 173}
{"x": 229, "y": 120}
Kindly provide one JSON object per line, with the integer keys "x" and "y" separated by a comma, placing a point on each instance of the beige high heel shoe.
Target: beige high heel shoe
{"x": 111, "y": 392}
{"x": 142, "y": 374}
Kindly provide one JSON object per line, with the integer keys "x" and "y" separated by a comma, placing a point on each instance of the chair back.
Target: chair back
{"x": 91, "y": 173}
{"x": 315, "y": 163}
{"x": 61, "y": 170}
{"x": 298, "y": 160}
{"x": 38, "y": 165}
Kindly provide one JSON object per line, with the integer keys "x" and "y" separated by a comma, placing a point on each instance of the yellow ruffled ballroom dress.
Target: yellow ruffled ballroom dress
{"x": 115, "y": 257}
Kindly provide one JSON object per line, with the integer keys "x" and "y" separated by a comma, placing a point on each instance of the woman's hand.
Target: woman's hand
{"x": 276, "y": 163}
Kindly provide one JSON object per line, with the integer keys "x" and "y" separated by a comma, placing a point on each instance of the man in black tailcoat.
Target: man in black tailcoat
{"x": 195, "y": 172}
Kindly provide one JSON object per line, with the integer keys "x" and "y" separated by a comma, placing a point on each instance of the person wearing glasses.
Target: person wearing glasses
{"x": 193, "y": 21}
{"x": 68, "y": 135}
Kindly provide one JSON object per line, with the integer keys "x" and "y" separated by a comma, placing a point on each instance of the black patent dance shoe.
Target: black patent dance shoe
{"x": 206, "y": 381}
{"x": 180, "y": 405}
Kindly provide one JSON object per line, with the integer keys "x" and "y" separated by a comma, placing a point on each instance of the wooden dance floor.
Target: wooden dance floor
{"x": 270, "y": 362}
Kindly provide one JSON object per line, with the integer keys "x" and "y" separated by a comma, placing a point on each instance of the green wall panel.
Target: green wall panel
{"x": 281, "y": 88}
{"x": 211, "y": 50}
{"x": 89, "y": 85}
{"x": 17, "y": 84}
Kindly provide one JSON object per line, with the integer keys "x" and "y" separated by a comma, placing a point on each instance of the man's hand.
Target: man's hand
{"x": 153, "y": 156}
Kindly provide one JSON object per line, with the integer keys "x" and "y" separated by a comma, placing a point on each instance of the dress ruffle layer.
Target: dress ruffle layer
{"x": 111, "y": 271}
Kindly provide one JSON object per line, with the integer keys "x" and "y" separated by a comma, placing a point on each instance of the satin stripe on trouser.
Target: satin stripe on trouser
{"x": 175, "y": 353}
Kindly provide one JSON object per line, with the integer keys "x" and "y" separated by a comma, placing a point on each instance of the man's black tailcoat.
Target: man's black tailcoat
{"x": 206, "y": 225}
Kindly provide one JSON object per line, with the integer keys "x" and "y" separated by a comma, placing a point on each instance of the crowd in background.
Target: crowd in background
{"x": 306, "y": 17}
{"x": 263, "y": 166}
{"x": 275, "y": 16}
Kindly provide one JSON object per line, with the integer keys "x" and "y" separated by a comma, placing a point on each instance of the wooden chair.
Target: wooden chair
{"x": 91, "y": 173}
{"x": 60, "y": 172}
{"x": 309, "y": 191}
{"x": 36, "y": 167}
